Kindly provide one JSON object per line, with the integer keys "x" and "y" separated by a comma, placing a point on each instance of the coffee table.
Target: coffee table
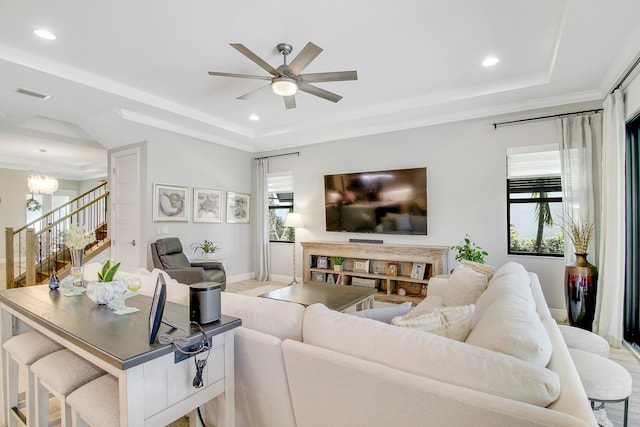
{"x": 334, "y": 297}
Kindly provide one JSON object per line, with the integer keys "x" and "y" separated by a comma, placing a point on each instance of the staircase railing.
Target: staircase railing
{"x": 37, "y": 249}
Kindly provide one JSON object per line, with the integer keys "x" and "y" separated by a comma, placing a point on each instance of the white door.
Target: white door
{"x": 127, "y": 245}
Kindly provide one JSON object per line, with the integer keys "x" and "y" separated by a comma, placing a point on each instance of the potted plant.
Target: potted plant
{"x": 469, "y": 250}
{"x": 337, "y": 262}
{"x": 207, "y": 248}
{"x": 581, "y": 277}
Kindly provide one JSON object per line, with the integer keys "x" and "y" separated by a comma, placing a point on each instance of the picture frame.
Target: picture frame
{"x": 207, "y": 205}
{"x": 331, "y": 279}
{"x": 361, "y": 265}
{"x": 392, "y": 269}
{"x": 340, "y": 280}
{"x": 317, "y": 276}
{"x": 322, "y": 262}
{"x": 417, "y": 272}
{"x": 238, "y": 207}
{"x": 170, "y": 203}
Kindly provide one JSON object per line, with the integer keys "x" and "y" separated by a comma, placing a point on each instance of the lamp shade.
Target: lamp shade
{"x": 293, "y": 220}
{"x": 284, "y": 86}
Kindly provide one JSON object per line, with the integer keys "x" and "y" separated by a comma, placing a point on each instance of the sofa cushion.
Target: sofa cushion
{"x": 428, "y": 304}
{"x": 510, "y": 326}
{"x": 512, "y": 278}
{"x": 464, "y": 287}
{"x": 485, "y": 269}
{"x": 277, "y": 318}
{"x": 384, "y": 314}
{"x": 430, "y": 356}
{"x": 450, "y": 322}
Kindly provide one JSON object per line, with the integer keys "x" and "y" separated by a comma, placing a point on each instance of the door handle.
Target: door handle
{"x": 132, "y": 243}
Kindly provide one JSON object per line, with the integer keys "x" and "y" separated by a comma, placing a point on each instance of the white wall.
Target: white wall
{"x": 179, "y": 160}
{"x": 466, "y": 180}
{"x": 13, "y": 212}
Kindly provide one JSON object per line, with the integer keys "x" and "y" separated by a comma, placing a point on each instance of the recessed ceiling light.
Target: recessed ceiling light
{"x": 44, "y": 33}
{"x": 490, "y": 61}
{"x": 254, "y": 117}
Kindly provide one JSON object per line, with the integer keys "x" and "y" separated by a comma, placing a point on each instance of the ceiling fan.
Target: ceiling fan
{"x": 286, "y": 80}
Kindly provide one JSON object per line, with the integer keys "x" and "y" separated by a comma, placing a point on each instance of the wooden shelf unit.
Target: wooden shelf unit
{"x": 379, "y": 256}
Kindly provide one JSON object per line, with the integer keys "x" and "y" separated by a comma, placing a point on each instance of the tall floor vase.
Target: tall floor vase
{"x": 76, "y": 266}
{"x": 581, "y": 285}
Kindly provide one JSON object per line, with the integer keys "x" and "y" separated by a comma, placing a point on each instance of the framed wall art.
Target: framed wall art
{"x": 323, "y": 262}
{"x": 417, "y": 272}
{"x": 170, "y": 202}
{"x": 207, "y": 205}
{"x": 317, "y": 276}
{"x": 238, "y": 207}
{"x": 392, "y": 269}
{"x": 361, "y": 265}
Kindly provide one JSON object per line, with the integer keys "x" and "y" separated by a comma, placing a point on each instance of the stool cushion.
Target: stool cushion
{"x": 602, "y": 379}
{"x": 97, "y": 402}
{"x": 30, "y": 346}
{"x": 64, "y": 371}
{"x": 584, "y": 340}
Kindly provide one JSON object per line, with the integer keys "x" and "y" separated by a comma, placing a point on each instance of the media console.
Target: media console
{"x": 371, "y": 262}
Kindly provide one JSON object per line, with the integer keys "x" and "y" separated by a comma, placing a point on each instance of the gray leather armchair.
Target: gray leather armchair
{"x": 167, "y": 255}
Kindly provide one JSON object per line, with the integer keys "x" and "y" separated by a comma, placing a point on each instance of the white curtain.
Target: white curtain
{"x": 263, "y": 256}
{"x": 610, "y": 299}
{"x": 580, "y": 147}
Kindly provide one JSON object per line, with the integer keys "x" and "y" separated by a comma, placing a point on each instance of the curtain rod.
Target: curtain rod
{"x": 626, "y": 75}
{"x": 295, "y": 153}
{"x": 495, "y": 125}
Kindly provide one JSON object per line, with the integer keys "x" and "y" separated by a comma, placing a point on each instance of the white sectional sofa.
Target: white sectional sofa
{"x": 307, "y": 367}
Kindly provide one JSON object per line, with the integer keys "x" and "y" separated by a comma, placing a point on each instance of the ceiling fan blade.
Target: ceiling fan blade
{"x": 255, "y": 58}
{"x": 253, "y": 92}
{"x": 315, "y": 90}
{"x": 244, "y": 76}
{"x": 289, "y": 102}
{"x": 328, "y": 77}
{"x": 304, "y": 58}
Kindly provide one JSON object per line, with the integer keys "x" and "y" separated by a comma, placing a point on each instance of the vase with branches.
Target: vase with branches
{"x": 581, "y": 277}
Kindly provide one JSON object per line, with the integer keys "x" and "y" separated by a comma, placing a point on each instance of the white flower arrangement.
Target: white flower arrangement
{"x": 77, "y": 237}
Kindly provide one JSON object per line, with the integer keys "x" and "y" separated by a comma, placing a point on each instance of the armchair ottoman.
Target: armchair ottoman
{"x": 167, "y": 255}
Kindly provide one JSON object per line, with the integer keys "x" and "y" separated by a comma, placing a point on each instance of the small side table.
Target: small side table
{"x": 603, "y": 380}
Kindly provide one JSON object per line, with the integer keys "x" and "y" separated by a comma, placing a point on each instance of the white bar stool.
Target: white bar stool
{"x": 96, "y": 403}
{"x": 60, "y": 373}
{"x": 603, "y": 380}
{"x": 21, "y": 351}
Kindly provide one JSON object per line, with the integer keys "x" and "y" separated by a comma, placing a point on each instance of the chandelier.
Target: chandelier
{"x": 42, "y": 184}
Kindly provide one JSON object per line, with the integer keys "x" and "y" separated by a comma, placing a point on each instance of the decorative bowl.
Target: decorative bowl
{"x": 105, "y": 292}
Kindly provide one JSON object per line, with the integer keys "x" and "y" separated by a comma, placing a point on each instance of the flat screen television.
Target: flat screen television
{"x": 385, "y": 202}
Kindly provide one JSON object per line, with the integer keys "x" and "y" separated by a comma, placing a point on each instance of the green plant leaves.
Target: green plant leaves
{"x": 468, "y": 250}
{"x": 108, "y": 271}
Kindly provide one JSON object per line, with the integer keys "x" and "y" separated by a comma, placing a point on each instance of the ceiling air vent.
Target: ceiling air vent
{"x": 32, "y": 93}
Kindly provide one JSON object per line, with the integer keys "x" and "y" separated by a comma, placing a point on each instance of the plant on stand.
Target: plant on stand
{"x": 581, "y": 277}
{"x": 468, "y": 250}
{"x": 76, "y": 239}
{"x": 206, "y": 247}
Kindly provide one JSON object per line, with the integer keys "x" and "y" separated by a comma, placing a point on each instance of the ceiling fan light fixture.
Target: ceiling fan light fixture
{"x": 284, "y": 86}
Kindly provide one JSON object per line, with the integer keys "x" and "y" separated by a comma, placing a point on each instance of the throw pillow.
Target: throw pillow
{"x": 464, "y": 287}
{"x": 510, "y": 326}
{"x": 485, "y": 269}
{"x": 450, "y": 322}
{"x": 384, "y": 314}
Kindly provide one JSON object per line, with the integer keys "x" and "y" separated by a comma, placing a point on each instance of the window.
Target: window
{"x": 280, "y": 187}
{"x": 534, "y": 202}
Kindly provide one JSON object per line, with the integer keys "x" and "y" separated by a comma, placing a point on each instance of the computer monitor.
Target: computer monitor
{"x": 157, "y": 308}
